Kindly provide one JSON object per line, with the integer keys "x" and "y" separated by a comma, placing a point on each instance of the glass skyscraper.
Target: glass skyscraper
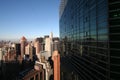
{"x": 90, "y": 35}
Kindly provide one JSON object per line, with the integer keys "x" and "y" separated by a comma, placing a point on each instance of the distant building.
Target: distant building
{"x": 27, "y": 49}
{"x": 1, "y": 54}
{"x": 11, "y": 55}
{"x": 39, "y": 39}
{"x": 48, "y": 45}
{"x": 30, "y": 50}
{"x": 43, "y": 48}
{"x": 17, "y": 49}
{"x": 37, "y": 45}
{"x": 56, "y": 44}
{"x": 51, "y": 43}
{"x": 23, "y": 41}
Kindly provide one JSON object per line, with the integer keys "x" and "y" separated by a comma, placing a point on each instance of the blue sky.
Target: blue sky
{"x": 29, "y": 18}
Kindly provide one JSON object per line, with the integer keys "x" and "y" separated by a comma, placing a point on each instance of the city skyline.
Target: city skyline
{"x": 28, "y": 18}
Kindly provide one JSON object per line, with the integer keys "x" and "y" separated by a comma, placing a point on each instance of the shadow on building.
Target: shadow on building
{"x": 10, "y": 70}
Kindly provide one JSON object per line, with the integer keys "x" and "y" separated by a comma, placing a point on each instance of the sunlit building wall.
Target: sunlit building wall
{"x": 1, "y": 54}
{"x": 38, "y": 47}
{"x": 23, "y": 44}
{"x": 27, "y": 49}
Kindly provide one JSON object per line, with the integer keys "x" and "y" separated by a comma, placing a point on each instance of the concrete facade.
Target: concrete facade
{"x": 23, "y": 43}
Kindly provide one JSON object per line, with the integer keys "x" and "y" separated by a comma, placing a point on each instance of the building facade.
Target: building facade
{"x": 17, "y": 49}
{"x": 56, "y": 61}
{"x": 23, "y": 41}
{"x": 90, "y": 30}
{"x": 38, "y": 47}
{"x": 1, "y": 54}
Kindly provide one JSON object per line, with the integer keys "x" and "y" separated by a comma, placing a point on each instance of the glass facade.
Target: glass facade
{"x": 114, "y": 43}
{"x": 90, "y": 30}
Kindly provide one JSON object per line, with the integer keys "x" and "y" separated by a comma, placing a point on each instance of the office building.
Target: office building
{"x": 90, "y": 32}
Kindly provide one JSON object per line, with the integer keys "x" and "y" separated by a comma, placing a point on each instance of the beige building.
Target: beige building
{"x": 37, "y": 45}
{"x": 1, "y": 54}
{"x": 29, "y": 50}
{"x": 49, "y": 44}
{"x": 23, "y": 41}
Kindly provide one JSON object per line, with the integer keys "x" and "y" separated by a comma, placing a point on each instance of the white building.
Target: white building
{"x": 49, "y": 45}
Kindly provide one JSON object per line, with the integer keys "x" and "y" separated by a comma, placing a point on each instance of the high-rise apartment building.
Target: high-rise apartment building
{"x": 90, "y": 30}
{"x": 49, "y": 44}
{"x": 23, "y": 44}
{"x": 38, "y": 47}
{"x": 30, "y": 50}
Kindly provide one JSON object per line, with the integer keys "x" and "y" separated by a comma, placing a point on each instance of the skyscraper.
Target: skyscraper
{"x": 23, "y": 43}
{"x": 91, "y": 31}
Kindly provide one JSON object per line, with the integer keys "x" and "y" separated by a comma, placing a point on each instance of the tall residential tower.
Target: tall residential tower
{"x": 23, "y": 44}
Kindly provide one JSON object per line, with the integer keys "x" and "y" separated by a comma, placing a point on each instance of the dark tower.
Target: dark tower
{"x": 91, "y": 30}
